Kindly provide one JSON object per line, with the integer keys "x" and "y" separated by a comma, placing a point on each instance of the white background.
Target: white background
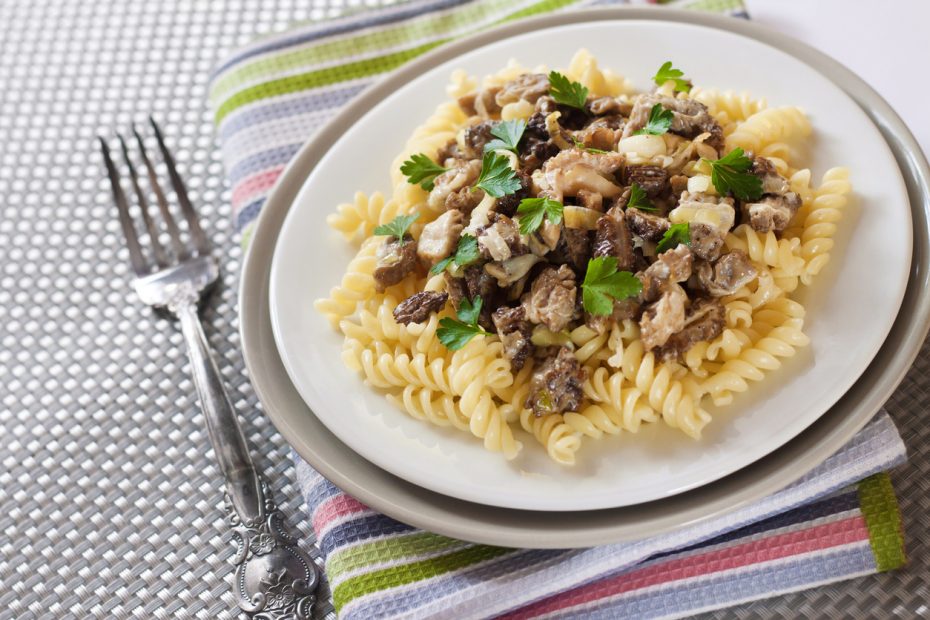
{"x": 886, "y": 42}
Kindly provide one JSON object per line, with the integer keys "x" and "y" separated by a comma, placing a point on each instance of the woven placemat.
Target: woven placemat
{"x": 110, "y": 503}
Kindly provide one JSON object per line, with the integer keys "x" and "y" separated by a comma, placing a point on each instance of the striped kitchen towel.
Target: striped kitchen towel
{"x": 838, "y": 522}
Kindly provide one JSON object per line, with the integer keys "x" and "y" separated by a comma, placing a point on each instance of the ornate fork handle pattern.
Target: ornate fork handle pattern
{"x": 274, "y": 579}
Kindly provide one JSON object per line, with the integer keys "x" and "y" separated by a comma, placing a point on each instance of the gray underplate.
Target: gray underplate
{"x": 514, "y": 528}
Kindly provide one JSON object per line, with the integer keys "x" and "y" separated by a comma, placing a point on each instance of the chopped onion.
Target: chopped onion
{"x": 479, "y": 215}
{"x": 701, "y": 184}
{"x": 549, "y": 233}
{"x": 719, "y": 216}
{"x": 542, "y": 337}
{"x": 511, "y": 157}
{"x": 644, "y": 145}
{"x": 580, "y": 217}
{"x": 555, "y": 131}
{"x": 518, "y": 109}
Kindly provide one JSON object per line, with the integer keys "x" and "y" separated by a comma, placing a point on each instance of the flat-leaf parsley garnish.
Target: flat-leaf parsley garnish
{"x": 659, "y": 121}
{"x": 533, "y": 210}
{"x": 581, "y": 145}
{"x": 567, "y": 92}
{"x": 728, "y": 174}
{"x": 674, "y": 236}
{"x": 638, "y": 199}
{"x": 603, "y": 284}
{"x": 465, "y": 254}
{"x": 422, "y": 170}
{"x": 397, "y": 227}
{"x": 497, "y": 178}
{"x": 667, "y": 72}
{"x": 455, "y": 333}
{"x": 508, "y": 134}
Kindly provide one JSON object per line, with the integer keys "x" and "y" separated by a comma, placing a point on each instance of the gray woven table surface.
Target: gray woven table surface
{"x": 110, "y": 502}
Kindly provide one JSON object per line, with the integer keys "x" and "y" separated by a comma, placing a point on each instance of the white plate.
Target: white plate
{"x": 851, "y": 306}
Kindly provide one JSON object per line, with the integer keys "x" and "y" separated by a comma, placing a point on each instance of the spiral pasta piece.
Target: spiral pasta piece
{"x": 460, "y": 84}
{"x": 736, "y": 107}
{"x": 510, "y": 71}
{"x": 773, "y": 132}
{"x": 676, "y": 402}
{"x": 738, "y": 313}
{"x": 560, "y": 440}
{"x": 428, "y": 138}
{"x": 826, "y": 209}
{"x": 513, "y": 394}
{"x": 588, "y": 343}
{"x": 357, "y": 285}
{"x": 583, "y": 68}
{"x": 780, "y": 341}
{"x": 782, "y": 255}
{"x": 358, "y": 219}
{"x": 621, "y": 402}
{"x": 728, "y": 107}
{"x": 487, "y": 422}
{"x": 434, "y": 407}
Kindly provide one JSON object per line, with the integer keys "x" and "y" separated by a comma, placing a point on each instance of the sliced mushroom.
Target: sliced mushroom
{"x": 730, "y": 273}
{"x": 663, "y": 318}
{"x": 396, "y": 259}
{"x": 440, "y": 237}
{"x": 461, "y": 176}
{"x": 509, "y": 271}
{"x": 703, "y": 322}
{"x": 573, "y": 170}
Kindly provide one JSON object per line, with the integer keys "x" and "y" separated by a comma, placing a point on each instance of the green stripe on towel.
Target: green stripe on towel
{"x": 409, "y": 545}
{"x": 328, "y": 51}
{"x": 367, "y": 67}
{"x": 880, "y": 509}
{"x": 321, "y": 77}
{"x": 416, "y": 571}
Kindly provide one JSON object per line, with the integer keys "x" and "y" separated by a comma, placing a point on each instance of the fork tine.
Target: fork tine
{"x": 160, "y": 257}
{"x": 197, "y": 234}
{"x": 129, "y": 231}
{"x": 173, "y": 231}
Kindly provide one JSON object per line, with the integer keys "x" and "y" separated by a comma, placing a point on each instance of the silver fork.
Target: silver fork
{"x": 273, "y": 577}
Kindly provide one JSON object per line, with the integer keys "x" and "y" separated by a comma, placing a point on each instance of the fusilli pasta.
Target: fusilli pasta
{"x": 477, "y": 390}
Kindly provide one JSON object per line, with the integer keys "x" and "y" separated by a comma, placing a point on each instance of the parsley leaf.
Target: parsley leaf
{"x": 455, "y": 334}
{"x": 465, "y": 254}
{"x": 508, "y": 134}
{"x": 674, "y": 236}
{"x": 603, "y": 283}
{"x": 442, "y": 265}
{"x": 666, "y": 72}
{"x": 467, "y": 251}
{"x": 533, "y": 210}
{"x": 497, "y": 177}
{"x": 659, "y": 121}
{"x": 567, "y": 92}
{"x": 397, "y": 227}
{"x": 638, "y": 199}
{"x": 421, "y": 169}
{"x": 580, "y": 145}
{"x": 469, "y": 311}
{"x": 728, "y": 174}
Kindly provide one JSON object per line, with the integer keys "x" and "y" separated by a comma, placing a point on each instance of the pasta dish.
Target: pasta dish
{"x": 565, "y": 255}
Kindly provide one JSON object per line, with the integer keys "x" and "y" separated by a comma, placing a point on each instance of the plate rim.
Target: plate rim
{"x": 737, "y": 454}
{"x": 511, "y": 527}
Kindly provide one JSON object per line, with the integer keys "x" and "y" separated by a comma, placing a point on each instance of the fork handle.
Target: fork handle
{"x": 242, "y": 481}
